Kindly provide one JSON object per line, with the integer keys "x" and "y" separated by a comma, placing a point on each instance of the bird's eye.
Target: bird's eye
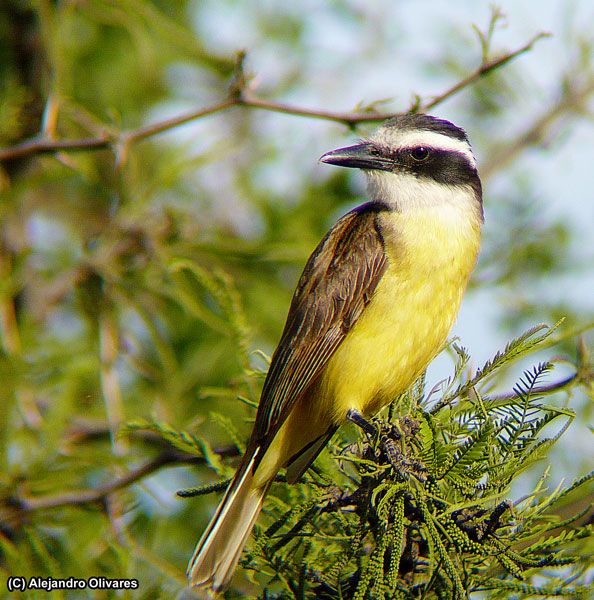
{"x": 420, "y": 153}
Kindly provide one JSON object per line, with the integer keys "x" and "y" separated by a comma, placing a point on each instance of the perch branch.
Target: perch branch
{"x": 242, "y": 97}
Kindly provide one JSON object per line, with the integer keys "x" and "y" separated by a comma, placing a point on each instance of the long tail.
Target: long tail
{"x": 219, "y": 549}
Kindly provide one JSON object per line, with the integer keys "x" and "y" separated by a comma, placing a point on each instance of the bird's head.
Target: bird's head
{"x": 415, "y": 160}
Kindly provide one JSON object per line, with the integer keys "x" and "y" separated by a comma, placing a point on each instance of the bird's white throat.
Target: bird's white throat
{"x": 405, "y": 192}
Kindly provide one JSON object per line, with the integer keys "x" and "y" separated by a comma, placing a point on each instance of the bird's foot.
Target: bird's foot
{"x": 391, "y": 443}
{"x": 402, "y": 463}
{"x": 358, "y": 419}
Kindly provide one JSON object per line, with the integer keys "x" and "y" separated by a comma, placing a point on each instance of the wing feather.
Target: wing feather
{"x": 336, "y": 285}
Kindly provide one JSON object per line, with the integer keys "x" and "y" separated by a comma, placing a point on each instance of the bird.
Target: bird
{"x": 374, "y": 305}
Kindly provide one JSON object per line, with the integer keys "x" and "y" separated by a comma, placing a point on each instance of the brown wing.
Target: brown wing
{"x": 336, "y": 285}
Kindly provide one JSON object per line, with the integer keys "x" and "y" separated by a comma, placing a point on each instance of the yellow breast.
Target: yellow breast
{"x": 431, "y": 256}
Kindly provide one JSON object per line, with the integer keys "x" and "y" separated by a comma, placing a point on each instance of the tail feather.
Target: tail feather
{"x": 219, "y": 549}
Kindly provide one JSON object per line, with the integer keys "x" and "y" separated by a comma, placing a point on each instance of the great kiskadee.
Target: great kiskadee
{"x": 373, "y": 306}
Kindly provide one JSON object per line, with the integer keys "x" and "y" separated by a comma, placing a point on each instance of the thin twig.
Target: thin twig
{"x": 109, "y": 378}
{"x": 40, "y": 145}
{"x": 485, "y": 68}
{"x": 541, "y": 390}
{"x": 149, "y": 130}
{"x": 347, "y": 118}
{"x": 242, "y": 97}
{"x": 10, "y": 342}
{"x": 25, "y": 503}
{"x": 100, "y": 493}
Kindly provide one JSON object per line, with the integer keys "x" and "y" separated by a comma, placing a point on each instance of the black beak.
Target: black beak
{"x": 360, "y": 156}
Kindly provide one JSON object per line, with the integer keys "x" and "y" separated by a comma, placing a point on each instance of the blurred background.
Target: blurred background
{"x": 148, "y": 280}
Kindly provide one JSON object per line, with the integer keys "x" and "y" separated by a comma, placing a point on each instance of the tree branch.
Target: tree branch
{"x": 40, "y": 145}
{"x": 541, "y": 390}
{"x": 27, "y": 504}
{"x": 149, "y": 130}
{"x": 241, "y": 96}
{"x": 100, "y": 493}
{"x": 485, "y": 68}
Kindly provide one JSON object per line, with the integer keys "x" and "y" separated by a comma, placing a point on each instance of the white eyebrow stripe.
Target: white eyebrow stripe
{"x": 410, "y": 139}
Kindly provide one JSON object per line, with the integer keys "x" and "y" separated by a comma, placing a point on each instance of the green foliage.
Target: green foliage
{"x": 144, "y": 284}
{"x": 182, "y": 440}
{"x": 440, "y": 523}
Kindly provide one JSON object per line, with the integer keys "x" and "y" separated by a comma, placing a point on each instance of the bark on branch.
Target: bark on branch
{"x": 242, "y": 96}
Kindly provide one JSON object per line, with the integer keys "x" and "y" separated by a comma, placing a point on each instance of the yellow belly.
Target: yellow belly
{"x": 408, "y": 319}
{"x": 402, "y": 328}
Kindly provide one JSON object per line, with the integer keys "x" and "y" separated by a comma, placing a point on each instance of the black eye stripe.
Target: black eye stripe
{"x": 429, "y": 159}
